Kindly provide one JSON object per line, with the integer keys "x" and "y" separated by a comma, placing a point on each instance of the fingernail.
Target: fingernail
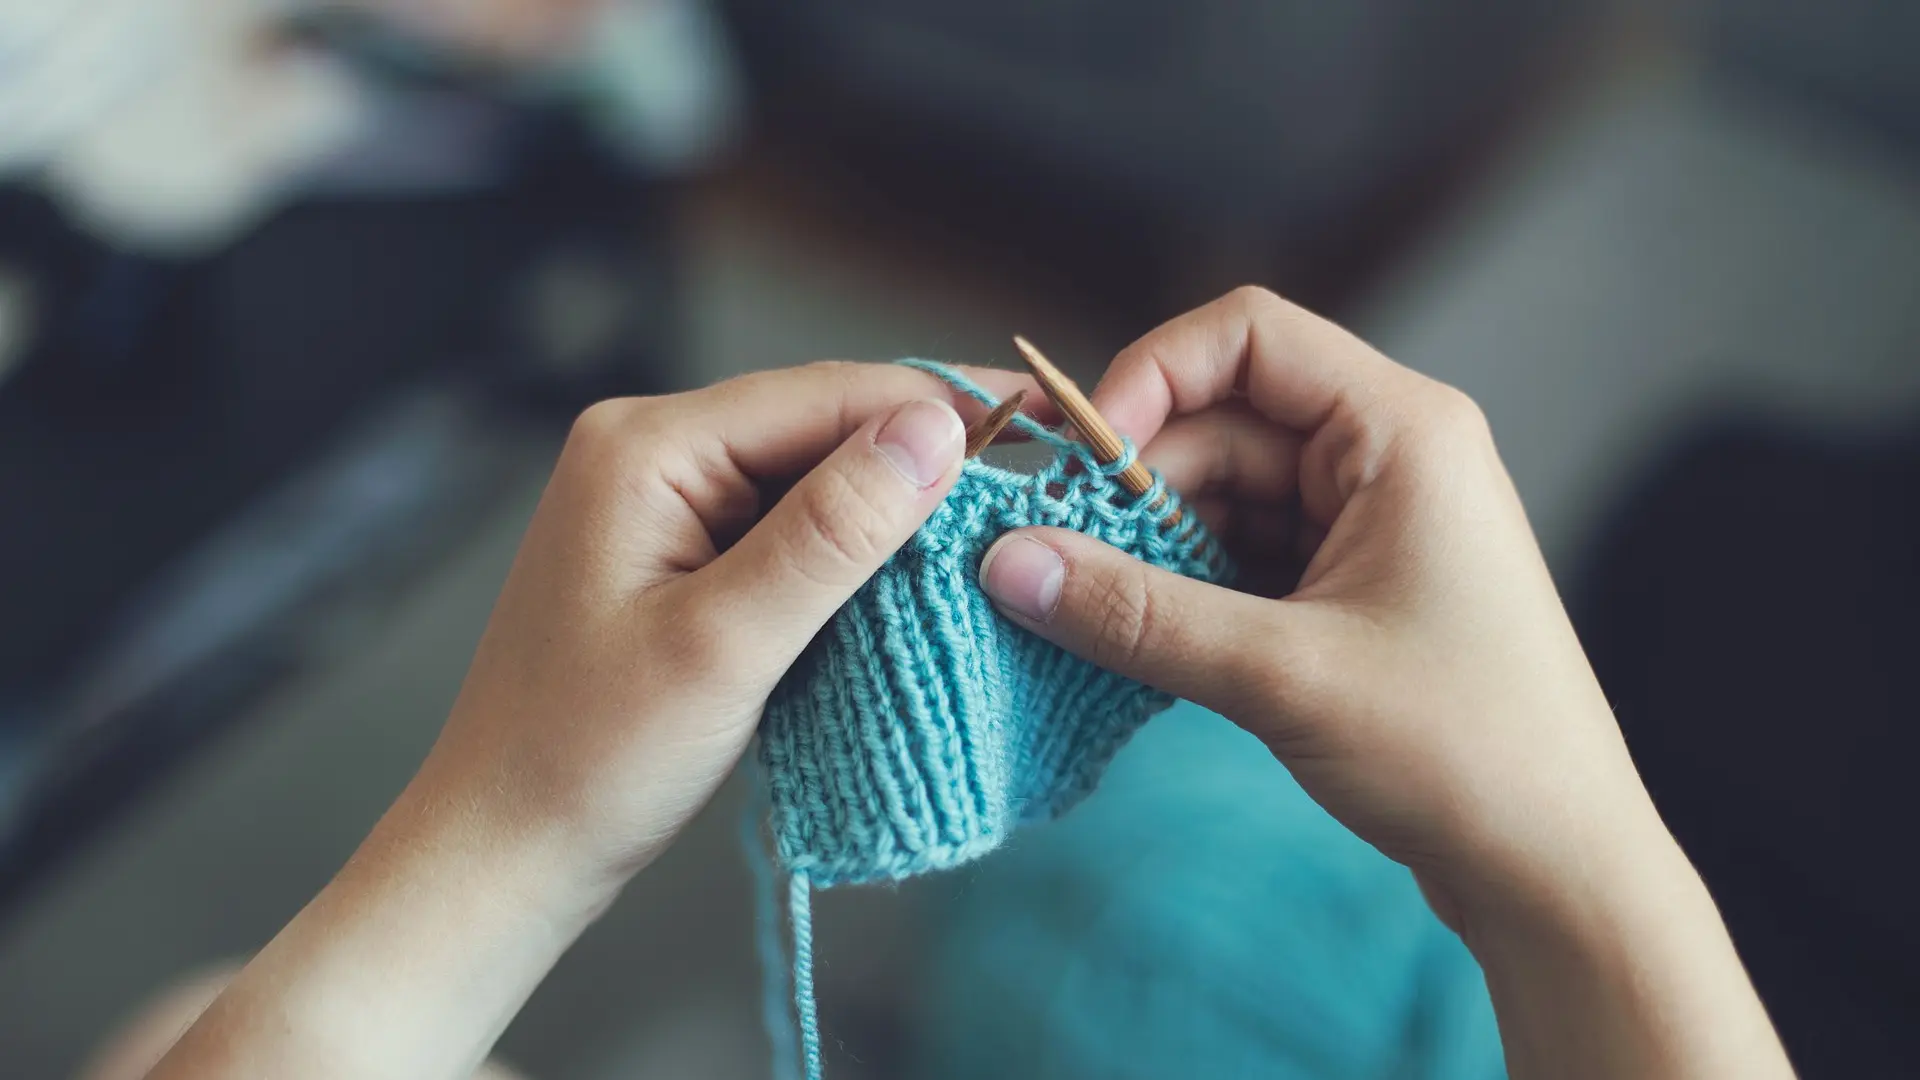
{"x": 1024, "y": 576}
{"x": 920, "y": 440}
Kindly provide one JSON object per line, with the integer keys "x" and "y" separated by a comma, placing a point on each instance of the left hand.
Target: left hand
{"x": 648, "y": 617}
{"x": 645, "y": 621}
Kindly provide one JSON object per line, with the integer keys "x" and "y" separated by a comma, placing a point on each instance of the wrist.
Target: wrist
{"x": 1604, "y": 898}
{"x": 1585, "y": 888}
{"x": 1565, "y": 842}
{"x": 524, "y": 864}
{"x": 411, "y": 961}
{"x": 1623, "y": 967}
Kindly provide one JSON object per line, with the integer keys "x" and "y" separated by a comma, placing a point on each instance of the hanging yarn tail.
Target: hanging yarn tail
{"x": 775, "y": 1005}
{"x": 793, "y": 1052}
{"x": 800, "y": 915}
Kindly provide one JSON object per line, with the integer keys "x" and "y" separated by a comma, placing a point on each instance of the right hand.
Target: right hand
{"x": 1421, "y": 680}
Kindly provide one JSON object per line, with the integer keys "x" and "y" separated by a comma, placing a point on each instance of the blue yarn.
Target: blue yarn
{"x": 773, "y": 961}
{"x": 922, "y": 727}
{"x": 1128, "y": 455}
{"x": 800, "y": 913}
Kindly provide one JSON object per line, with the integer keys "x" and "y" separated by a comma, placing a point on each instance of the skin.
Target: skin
{"x": 1419, "y": 678}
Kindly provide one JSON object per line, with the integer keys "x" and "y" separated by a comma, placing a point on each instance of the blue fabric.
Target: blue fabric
{"x": 1200, "y": 916}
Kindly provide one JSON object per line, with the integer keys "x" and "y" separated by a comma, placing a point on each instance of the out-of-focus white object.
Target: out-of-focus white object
{"x": 164, "y": 125}
{"x": 658, "y": 77}
{"x": 524, "y": 31}
{"x": 171, "y": 126}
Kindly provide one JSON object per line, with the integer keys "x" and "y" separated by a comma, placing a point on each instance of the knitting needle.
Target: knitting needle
{"x": 982, "y": 434}
{"x": 1106, "y": 443}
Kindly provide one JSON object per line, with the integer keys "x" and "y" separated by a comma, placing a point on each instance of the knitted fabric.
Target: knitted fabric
{"x": 922, "y": 727}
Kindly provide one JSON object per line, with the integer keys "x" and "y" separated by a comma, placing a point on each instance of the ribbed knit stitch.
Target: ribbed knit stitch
{"x": 922, "y": 727}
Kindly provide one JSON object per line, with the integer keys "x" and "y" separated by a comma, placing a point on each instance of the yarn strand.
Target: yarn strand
{"x": 774, "y": 1005}
{"x": 1028, "y": 426}
{"x": 800, "y": 914}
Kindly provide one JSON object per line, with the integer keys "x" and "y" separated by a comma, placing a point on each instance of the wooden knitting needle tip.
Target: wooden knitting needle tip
{"x": 1106, "y": 443}
{"x": 982, "y": 434}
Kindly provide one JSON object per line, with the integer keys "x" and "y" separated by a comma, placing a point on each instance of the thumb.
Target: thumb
{"x": 834, "y": 528}
{"x": 1198, "y": 641}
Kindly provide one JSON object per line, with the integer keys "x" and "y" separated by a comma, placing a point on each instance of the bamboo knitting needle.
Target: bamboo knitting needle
{"x": 982, "y": 434}
{"x": 1106, "y": 443}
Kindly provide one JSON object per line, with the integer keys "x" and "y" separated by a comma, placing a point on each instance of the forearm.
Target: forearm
{"x": 621, "y": 677}
{"x": 1629, "y": 973}
{"x": 409, "y": 963}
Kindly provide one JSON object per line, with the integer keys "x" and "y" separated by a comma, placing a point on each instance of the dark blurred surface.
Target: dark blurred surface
{"x": 1133, "y": 146}
{"x": 162, "y": 394}
{"x": 1750, "y": 615}
{"x": 1853, "y": 56}
{"x": 164, "y": 399}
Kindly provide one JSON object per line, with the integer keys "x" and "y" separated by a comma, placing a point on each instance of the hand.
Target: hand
{"x": 1419, "y": 677}
{"x": 648, "y": 616}
{"x": 646, "y": 619}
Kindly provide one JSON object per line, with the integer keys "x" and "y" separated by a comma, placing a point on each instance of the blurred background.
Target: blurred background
{"x": 298, "y": 298}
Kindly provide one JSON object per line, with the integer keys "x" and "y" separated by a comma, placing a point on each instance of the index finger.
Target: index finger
{"x": 782, "y": 422}
{"x": 1291, "y": 365}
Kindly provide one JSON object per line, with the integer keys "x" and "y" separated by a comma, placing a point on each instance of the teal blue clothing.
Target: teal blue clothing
{"x": 1199, "y": 916}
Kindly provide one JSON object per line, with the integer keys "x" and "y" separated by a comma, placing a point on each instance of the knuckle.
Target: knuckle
{"x": 1461, "y": 415}
{"x": 1257, "y": 300}
{"x": 723, "y": 397}
{"x": 600, "y": 423}
{"x": 1264, "y": 310}
{"x": 609, "y": 438}
{"x": 1440, "y": 429}
{"x": 840, "y": 528}
{"x": 1452, "y": 419}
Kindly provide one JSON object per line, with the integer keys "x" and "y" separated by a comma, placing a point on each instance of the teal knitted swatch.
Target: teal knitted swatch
{"x": 922, "y": 727}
